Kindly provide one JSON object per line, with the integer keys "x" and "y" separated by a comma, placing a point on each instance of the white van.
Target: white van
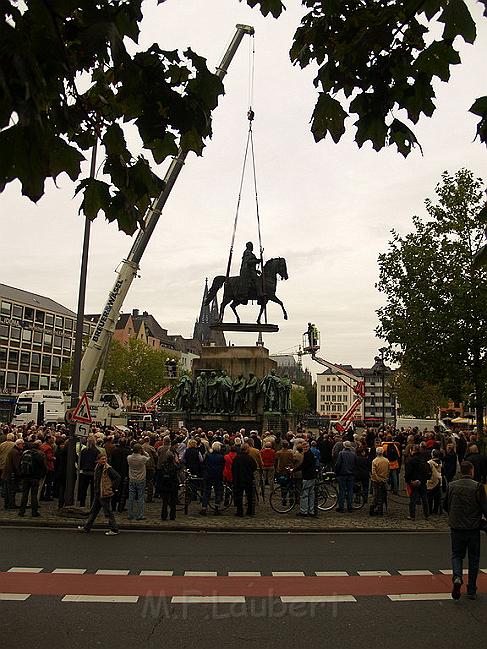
{"x": 420, "y": 424}
{"x": 40, "y": 406}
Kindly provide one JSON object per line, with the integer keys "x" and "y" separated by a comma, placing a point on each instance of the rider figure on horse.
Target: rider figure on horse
{"x": 249, "y": 275}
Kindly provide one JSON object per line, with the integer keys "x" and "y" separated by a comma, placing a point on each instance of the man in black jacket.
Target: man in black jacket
{"x": 243, "y": 469}
{"x": 106, "y": 483}
{"x": 308, "y": 472}
{"x": 465, "y": 502}
{"x": 477, "y": 461}
{"x": 33, "y": 468}
{"x": 417, "y": 474}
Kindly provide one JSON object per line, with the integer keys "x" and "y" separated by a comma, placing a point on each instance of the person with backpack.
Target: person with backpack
{"x": 33, "y": 468}
{"x": 106, "y": 483}
{"x": 392, "y": 453}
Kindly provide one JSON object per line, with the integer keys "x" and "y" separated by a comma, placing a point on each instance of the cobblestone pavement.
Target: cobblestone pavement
{"x": 265, "y": 519}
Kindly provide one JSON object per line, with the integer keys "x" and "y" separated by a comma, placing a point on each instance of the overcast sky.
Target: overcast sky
{"x": 327, "y": 208}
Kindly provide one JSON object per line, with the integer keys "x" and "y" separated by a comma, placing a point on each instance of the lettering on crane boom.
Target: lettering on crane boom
{"x": 106, "y": 311}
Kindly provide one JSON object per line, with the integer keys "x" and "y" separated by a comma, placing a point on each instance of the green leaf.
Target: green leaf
{"x": 436, "y": 59}
{"x": 114, "y": 140}
{"x": 63, "y": 157}
{"x": 430, "y": 8}
{"x": 164, "y": 147}
{"x": 191, "y": 141}
{"x": 96, "y": 197}
{"x": 275, "y": 7}
{"x": 402, "y": 136}
{"x": 371, "y": 127}
{"x": 458, "y": 21}
{"x": 479, "y": 107}
{"x": 328, "y": 117}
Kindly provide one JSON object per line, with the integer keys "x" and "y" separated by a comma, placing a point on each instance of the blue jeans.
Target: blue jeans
{"x": 307, "y": 503}
{"x": 136, "y": 493}
{"x": 217, "y": 485}
{"x": 418, "y": 494}
{"x": 394, "y": 478}
{"x": 461, "y": 541}
{"x": 345, "y": 489}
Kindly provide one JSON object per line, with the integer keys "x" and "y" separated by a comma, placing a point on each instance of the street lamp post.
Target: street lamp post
{"x": 380, "y": 370}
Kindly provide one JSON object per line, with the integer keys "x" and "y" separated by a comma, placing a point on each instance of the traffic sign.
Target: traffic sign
{"x": 82, "y": 430}
{"x": 82, "y": 414}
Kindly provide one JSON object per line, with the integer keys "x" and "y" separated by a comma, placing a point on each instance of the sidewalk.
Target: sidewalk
{"x": 264, "y": 520}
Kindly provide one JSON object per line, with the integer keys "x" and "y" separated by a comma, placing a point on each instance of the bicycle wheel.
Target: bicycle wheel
{"x": 358, "y": 498}
{"x": 226, "y": 501}
{"x": 186, "y": 495}
{"x": 327, "y": 496}
{"x": 283, "y": 499}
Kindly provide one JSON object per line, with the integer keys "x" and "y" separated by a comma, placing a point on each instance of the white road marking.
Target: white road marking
{"x": 295, "y": 599}
{"x": 414, "y": 573}
{"x": 281, "y": 573}
{"x": 332, "y": 573}
{"x": 419, "y": 597}
{"x": 208, "y": 599}
{"x": 156, "y": 573}
{"x": 200, "y": 573}
{"x": 374, "y": 573}
{"x": 110, "y": 599}
{"x": 13, "y": 597}
{"x": 33, "y": 570}
{"x": 69, "y": 571}
{"x": 244, "y": 574}
{"x": 112, "y": 572}
{"x": 450, "y": 572}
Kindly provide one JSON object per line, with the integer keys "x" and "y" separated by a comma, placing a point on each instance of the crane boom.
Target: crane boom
{"x": 128, "y": 268}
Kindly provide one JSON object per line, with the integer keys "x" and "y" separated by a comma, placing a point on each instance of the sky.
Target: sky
{"x": 327, "y": 208}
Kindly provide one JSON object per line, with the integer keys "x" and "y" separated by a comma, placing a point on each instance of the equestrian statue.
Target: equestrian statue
{"x": 250, "y": 284}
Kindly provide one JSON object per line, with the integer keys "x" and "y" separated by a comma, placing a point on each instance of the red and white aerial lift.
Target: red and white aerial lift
{"x": 311, "y": 345}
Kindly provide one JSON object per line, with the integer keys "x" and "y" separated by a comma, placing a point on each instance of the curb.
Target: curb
{"x": 240, "y": 530}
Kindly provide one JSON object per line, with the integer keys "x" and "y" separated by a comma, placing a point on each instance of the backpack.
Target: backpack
{"x": 27, "y": 464}
{"x": 391, "y": 454}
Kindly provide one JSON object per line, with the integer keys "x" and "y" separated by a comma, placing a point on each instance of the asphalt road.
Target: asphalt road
{"x": 278, "y": 619}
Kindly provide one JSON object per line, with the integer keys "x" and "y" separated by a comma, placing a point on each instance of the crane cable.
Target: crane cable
{"x": 249, "y": 145}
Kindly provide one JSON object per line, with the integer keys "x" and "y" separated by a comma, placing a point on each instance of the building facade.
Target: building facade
{"x": 36, "y": 338}
{"x": 333, "y": 396}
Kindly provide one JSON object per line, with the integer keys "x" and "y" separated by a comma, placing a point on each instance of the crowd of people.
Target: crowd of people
{"x": 119, "y": 471}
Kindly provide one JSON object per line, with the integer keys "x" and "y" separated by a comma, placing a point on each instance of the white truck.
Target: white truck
{"x": 50, "y": 407}
{"x": 421, "y": 424}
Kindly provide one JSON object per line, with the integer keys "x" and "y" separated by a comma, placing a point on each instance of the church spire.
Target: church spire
{"x": 202, "y": 331}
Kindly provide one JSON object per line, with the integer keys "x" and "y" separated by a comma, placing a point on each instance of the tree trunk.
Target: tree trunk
{"x": 479, "y": 408}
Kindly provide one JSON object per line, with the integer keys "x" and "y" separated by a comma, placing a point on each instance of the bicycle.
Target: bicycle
{"x": 192, "y": 490}
{"x": 287, "y": 493}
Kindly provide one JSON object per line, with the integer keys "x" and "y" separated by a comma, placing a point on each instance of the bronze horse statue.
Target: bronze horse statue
{"x": 263, "y": 292}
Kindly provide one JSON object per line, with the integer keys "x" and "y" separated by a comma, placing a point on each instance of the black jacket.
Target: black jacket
{"x": 308, "y": 466}
{"x": 118, "y": 460}
{"x": 417, "y": 469}
{"x": 243, "y": 469}
{"x": 478, "y": 462}
{"x": 465, "y": 502}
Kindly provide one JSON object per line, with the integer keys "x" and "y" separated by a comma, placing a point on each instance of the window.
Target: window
{"x": 3, "y": 331}
{"x": 49, "y": 320}
{"x": 57, "y": 342}
{"x": 67, "y": 343}
{"x": 56, "y": 363}
{"x": 328, "y": 397}
{"x": 54, "y": 383}
{"x": 28, "y": 313}
{"x": 34, "y": 382}
{"x": 68, "y": 324}
{"x": 86, "y": 328}
{"x": 24, "y": 361}
{"x": 40, "y": 316}
{"x": 3, "y": 358}
{"x": 26, "y": 335}
{"x": 13, "y": 359}
{"x": 2, "y": 380}
{"x": 36, "y": 361}
{"x": 6, "y": 308}
{"x": 17, "y": 311}
{"x": 15, "y": 333}
{"x": 323, "y": 398}
{"x": 47, "y": 341}
{"x": 44, "y": 382}
{"x": 322, "y": 388}
{"x": 37, "y": 338}
{"x": 46, "y": 364}
{"x": 333, "y": 388}
{"x": 23, "y": 381}
{"x": 58, "y": 323}
{"x": 12, "y": 380}
{"x": 328, "y": 388}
